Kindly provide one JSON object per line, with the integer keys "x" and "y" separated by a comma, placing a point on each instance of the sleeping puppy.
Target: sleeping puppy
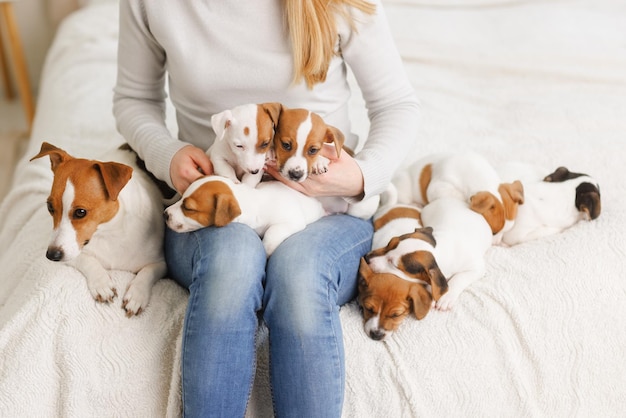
{"x": 394, "y": 220}
{"x": 386, "y": 300}
{"x": 299, "y": 138}
{"x": 275, "y": 211}
{"x": 107, "y": 215}
{"x": 553, "y": 204}
{"x": 465, "y": 176}
{"x": 243, "y": 136}
{"x": 447, "y": 254}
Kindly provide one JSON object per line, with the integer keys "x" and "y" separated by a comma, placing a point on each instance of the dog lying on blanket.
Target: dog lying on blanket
{"x": 274, "y": 210}
{"x": 447, "y": 255}
{"x": 106, "y": 216}
{"x": 552, "y": 203}
{"x": 466, "y": 176}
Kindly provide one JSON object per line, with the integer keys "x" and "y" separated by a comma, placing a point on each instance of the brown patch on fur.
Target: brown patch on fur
{"x": 588, "y": 199}
{"x": 212, "y": 204}
{"x": 422, "y": 265}
{"x": 266, "y": 121}
{"x": 397, "y": 213}
{"x": 561, "y": 174}
{"x": 425, "y": 177}
{"x": 246, "y": 131}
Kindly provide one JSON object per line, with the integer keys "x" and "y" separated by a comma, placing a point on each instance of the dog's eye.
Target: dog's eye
{"x": 396, "y": 314}
{"x": 241, "y": 147}
{"x": 50, "y": 208}
{"x": 79, "y": 213}
{"x": 286, "y": 146}
{"x": 313, "y": 151}
{"x": 186, "y": 208}
{"x": 264, "y": 145}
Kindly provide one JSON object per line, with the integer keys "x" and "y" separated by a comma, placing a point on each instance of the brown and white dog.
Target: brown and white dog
{"x": 298, "y": 140}
{"x": 468, "y": 177}
{"x": 447, "y": 255}
{"x": 274, "y": 210}
{"x": 551, "y": 204}
{"x": 243, "y": 136}
{"x": 106, "y": 216}
{"x": 394, "y": 220}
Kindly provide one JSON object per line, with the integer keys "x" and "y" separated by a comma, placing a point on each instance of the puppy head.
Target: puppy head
{"x": 83, "y": 196}
{"x": 248, "y": 130}
{"x": 299, "y": 137}
{"x": 209, "y": 201}
{"x": 387, "y": 300}
{"x": 587, "y": 199}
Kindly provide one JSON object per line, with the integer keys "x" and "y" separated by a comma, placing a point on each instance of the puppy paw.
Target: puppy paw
{"x": 135, "y": 299}
{"x": 446, "y": 302}
{"x": 320, "y": 166}
{"x": 102, "y": 290}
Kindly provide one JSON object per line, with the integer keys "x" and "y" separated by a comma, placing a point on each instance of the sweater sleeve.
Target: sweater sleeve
{"x": 139, "y": 94}
{"x": 392, "y": 106}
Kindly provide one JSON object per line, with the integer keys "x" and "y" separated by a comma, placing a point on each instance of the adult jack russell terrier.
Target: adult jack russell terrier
{"x": 298, "y": 140}
{"x": 468, "y": 177}
{"x": 447, "y": 254}
{"x": 243, "y": 136}
{"x": 106, "y": 216}
{"x": 275, "y": 211}
{"x": 552, "y": 203}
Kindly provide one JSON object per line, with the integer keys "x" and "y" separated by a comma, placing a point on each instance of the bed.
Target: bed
{"x": 542, "y": 334}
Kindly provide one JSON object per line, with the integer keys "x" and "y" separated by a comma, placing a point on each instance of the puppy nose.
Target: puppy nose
{"x": 54, "y": 254}
{"x": 296, "y": 174}
{"x": 377, "y": 334}
{"x": 254, "y": 171}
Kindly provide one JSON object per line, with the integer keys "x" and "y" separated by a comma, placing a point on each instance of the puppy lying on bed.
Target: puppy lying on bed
{"x": 106, "y": 216}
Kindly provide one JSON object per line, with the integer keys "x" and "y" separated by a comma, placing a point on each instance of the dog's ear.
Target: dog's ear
{"x": 57, "y": 155}
{"x": 273, "y": 110}
{"x": 115, "y": 176}
{"x": 364, "y": 273}
{"x": 588, "y": 200}
{"x": 334, "y": 135}
{"x": 438, "y": 282}
{"x": 226, "y": 209}
{"x": 512, "y": 195}
{"x": 420, "y": 299}
{"x": 220, "y": 122}
{"x": 486, "y": 204}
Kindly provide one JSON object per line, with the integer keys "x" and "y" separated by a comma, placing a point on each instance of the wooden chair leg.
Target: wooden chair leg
{"x": 19, "y": 63}
{"x": 4, "y": 68}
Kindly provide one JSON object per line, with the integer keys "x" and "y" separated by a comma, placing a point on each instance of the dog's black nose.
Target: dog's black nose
{"x": 254, "y": 171}
{"x": 377, "y": 334}
{"x": 296, "y": 174}
{"x": 54, "y": 254}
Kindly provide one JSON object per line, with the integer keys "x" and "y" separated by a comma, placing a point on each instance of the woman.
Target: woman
{"x": 219, "y": 54}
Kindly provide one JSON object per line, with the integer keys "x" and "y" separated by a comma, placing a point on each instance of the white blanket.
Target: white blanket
{"x": 543, "y": 334}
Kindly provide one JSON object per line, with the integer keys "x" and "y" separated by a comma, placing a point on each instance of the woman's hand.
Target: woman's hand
{"x": 187, "y": 165}
{"x": 343, "y": 178}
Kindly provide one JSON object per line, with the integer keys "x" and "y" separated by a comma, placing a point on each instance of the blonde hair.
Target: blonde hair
{"x": 313, "y": 32}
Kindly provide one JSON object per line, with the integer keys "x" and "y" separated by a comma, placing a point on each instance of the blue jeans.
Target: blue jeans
{"x": 298, "y": 291}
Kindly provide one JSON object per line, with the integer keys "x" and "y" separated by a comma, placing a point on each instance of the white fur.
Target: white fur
{"x": 462, "y": 237}
{"x": 131, "y": 241}
{"x": 274, "y": 210}
{"x": 549, "y": 208}
{"x": 394, "y": 228}
{"x": 234, "y": 154}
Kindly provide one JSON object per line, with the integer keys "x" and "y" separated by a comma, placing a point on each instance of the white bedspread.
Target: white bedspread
{"x": 543, "y": 334}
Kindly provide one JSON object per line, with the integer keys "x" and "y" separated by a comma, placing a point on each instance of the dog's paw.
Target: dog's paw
{"x": 103, "y": 291}
{"x": 446, "y": 302}
{"x": 320, "y": 166}
{"x": 136, "y": 298}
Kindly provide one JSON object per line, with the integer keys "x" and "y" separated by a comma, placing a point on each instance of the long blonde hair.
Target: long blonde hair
{"x": 313, "y": 32}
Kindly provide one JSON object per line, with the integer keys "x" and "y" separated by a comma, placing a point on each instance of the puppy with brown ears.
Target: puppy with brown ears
{"x": 387, "y": 300}
{"x": 298, "y": 140}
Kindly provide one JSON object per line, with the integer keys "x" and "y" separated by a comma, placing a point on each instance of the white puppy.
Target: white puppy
{"x": 243, "y": 136}
{"x": 274, "y": 210}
